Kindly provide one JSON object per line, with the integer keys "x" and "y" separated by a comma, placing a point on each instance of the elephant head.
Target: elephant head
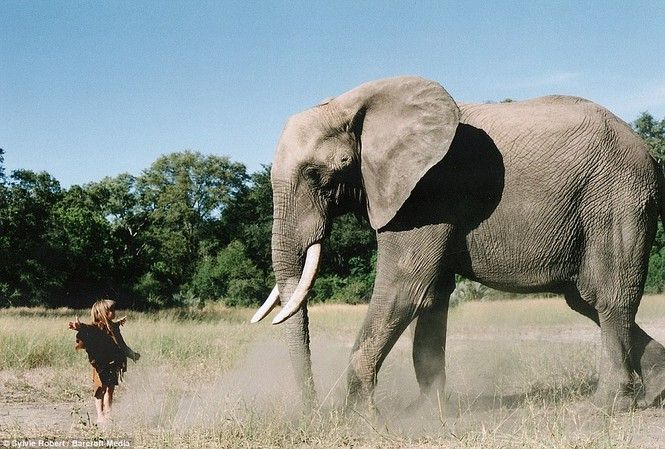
{"x": 367, "y": 148}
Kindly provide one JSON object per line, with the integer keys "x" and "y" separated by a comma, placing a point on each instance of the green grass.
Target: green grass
{"x": 520, "y": 374}
{"x": 33, "y": 338}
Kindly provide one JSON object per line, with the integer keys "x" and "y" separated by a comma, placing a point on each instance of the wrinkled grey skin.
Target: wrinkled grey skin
{"x": 549, "y": 195}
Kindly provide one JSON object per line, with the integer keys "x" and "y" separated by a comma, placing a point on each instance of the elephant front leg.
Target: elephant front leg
{"x": 385, "y": 321}
{"x": 429, "y": 351}
{"x": 408, "y": 282}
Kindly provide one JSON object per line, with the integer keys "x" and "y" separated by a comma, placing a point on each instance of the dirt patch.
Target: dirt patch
{"x": 26, "y": 419}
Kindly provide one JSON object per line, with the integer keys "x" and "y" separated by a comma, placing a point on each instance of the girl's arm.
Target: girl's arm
{"x": 82, "y": 332}
{"x": 74, "y": 325}
{"x": 78, "y": 325}
{"x": 126, "y": 350}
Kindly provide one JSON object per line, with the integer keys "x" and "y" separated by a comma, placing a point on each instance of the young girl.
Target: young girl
{"x": 107, "y": 352}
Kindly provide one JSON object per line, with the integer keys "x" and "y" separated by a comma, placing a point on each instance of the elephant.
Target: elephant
{"x": 554, "y": 194}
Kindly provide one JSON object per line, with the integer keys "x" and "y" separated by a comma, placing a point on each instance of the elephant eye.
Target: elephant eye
{"x": 313, "y": 175}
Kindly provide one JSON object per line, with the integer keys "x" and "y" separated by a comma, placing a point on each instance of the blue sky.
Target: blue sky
{"x": 96, "y": 88}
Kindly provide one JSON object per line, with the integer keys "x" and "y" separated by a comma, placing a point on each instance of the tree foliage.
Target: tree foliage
{"x": 138, "y": 238}
{"x": 653, "y": 133}
{"x": 190, "y": 228}
{"x": 230, "y": 275}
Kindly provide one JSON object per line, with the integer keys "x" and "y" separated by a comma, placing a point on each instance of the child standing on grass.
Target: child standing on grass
{"x": 107, "y": 352}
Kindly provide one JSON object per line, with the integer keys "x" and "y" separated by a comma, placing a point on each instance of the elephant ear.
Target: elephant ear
{"x": 405, "y": 126}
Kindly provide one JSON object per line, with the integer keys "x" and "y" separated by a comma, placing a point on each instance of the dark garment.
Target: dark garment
{"x": 106, "y": 354}
{"x": 107, "y": 375}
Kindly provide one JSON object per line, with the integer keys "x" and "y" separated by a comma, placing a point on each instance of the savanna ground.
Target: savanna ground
{"x": 520, "y": 374}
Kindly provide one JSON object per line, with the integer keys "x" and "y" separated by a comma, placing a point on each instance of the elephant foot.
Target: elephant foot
{"x": 309, "y": 401}
{"x": 617, "y": 403}
{"x": 416, "y": 405}
{"x": 651, "y": 366}
{"x": 620, "y": 400}
{"x": 364, "y": 413}
{"x": 427, "y": 404}
{"x": 362, "y": 406}
{"x": 654, "y": 389}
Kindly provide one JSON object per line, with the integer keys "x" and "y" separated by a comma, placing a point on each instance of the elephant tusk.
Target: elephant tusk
{"x": 268, "y": 305}
{"x": 304, "y": 285}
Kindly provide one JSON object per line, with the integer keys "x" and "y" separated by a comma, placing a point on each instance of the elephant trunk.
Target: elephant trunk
{"x": 294, "y": 279}
{"x": 297, "y": 337}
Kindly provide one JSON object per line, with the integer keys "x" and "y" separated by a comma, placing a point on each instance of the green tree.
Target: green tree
{"x": 653, "y": 133}
{"x": 348, "y": 270}
{"x": 2, "y": 166}
{"x": 79, "y": 235}
{"x": 6, "y": 290}
{"x": 230, "y": 275}
{"x": 184, "y": 195}
{"x": 30, "y": 271}
{"x": 249, "y": 219}
{"x": 350, "y": 247}
{"x": 119, "y": 202}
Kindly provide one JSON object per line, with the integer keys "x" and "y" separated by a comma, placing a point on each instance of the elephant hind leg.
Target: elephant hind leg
{"x": 581, "y": 305}
{"x": 616, "y": 384}
{"x": 648, "y": 358}
{"x": 609, "y": 310}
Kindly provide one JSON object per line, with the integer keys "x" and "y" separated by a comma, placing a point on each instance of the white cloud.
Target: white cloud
{"x": 548, "y": 80}
{"x": 630, "y": 103}
{"x": 625, "y": 97}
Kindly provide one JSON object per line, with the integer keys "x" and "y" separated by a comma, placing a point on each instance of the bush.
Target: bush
{"x": 467, "y": 290}
{"x": 9, "y": 296}
{"x": 350, "y": 290}
{"x": 231, "y": 276}
{"x": 148, "y": 287}
{"x": 655, "y": 282}
{"x": 245, "y": 292}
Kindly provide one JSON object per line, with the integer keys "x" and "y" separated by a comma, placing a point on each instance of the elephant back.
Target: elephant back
{"x": 553, "y": 127}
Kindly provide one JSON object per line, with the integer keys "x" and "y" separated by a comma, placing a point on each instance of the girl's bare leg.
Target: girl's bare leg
{"x": 108, "y": 402}
{"x": 99, "y": 406}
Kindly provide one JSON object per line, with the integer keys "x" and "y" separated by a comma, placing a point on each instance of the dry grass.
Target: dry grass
{"x": 520, "y": 375}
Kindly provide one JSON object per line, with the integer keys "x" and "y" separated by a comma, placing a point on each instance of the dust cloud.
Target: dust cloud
{"x": 261, "y": 388}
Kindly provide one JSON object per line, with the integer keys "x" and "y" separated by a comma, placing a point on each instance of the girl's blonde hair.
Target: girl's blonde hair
{"x": 99, "y": 314}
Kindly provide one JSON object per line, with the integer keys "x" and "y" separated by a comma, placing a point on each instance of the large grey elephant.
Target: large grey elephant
{"x": 554, "y": 194}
